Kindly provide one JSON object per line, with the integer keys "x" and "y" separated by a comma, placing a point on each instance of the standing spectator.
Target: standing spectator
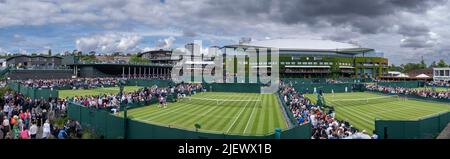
{"x": 24, "y": 134}
{"x": 33, "y": 130}
{"x": 62, "y": 134}
{"x": 46, "y": 130}
{"x": 1, "y": 132}
{"x": 27, "y": 119}
{"x": 9, "y": 135}
{"x": 5, "y": 125}
{"x": 374, "y": 136}
{"x": 15, "y": 131}
{"x": 78, "y": 129}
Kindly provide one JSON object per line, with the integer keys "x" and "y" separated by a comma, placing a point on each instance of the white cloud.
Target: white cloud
{"x": 220, "y": 21}
{"x": 162, "y": 44}
{"x": 108, "y": 43}
{"x": 3, "y": 51}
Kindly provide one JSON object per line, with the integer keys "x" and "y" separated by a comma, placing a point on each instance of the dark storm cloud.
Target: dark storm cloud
{"x": 364, "y": 16}
{"x": 189, "y": 33}
{"x": 416, "y": 36}
{"x": 368, "y": 16}
{"x": 417, "y": 42}
{"x": 413, "y": 30}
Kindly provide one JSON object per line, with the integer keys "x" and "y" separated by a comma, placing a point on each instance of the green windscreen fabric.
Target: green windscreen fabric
{"x": 233, "y": 87}
{"x": 426, "y": 128}
{"x": 113, "y": 127}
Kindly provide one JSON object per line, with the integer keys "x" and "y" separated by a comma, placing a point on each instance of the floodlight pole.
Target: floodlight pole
{"x": 125, "y": 110}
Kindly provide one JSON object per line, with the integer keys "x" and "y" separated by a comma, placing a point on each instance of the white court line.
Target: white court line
{"x": 248, "y": 121}
{"x": 224, "y": 100}
{"x": 239, "y": 115}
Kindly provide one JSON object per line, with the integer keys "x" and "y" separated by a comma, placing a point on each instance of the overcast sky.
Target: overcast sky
{"x": 405, "y": 30}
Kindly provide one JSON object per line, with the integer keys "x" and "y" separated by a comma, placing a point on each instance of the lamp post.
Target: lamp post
{"x": 125, "y": 113}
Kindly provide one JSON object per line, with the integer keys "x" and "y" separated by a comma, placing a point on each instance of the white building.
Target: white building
{"x": 441, "y": 74}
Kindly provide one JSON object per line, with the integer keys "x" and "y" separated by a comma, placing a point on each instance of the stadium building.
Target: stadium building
{"x": 441, "y": 74}
{"x": 301, "y": 58}
{"x": 36, "y": 67}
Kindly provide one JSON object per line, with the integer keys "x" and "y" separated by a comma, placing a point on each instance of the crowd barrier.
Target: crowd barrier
{"x": 425, "y": 128}
{"x": 324, "y": 80}
{"x": 411, "y": 96}
{"x": 288, "y": 111}
{"x": 233, "y": 87}
{"x": 114, "y": 127}
{"x": 149, "y": 83}
{"x": 404, "y": 84}
{"x": 34, "y": 93}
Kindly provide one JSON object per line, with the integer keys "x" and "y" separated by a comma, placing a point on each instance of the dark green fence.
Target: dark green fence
{"x": 326, "y": 88}
{"x": 404, "y": 84}
{"x": 425, "y": 128}
{"x": 14, "y": 86}
{"x": 170, "y": 98}
{"x": 84, "y": 87}
{"x": 112, "y": 127}
{"x": 286, "y": 109}
{"x": 149, "y": 83}
{"x": 324, "y": 80}
{"x": 102, "y": 122}
{"x": 412, "y": 96}
{"x": 34, "y": 93}
{"x": 233, "y": 87}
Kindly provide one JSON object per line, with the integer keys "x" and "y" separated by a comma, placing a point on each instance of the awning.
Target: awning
{"x": 423, "y": 76}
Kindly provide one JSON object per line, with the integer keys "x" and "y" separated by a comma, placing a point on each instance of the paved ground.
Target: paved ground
{"x": 445, "y": 134}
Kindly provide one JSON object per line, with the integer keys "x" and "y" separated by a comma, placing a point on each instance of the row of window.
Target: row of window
{"x": 297, "y": 63}
{"x": 442, "y": 73}
{"x": 259, "y": 63}
{"x": 316, "y": 63}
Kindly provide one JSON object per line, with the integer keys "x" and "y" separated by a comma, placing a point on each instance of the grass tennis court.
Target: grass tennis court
{"x": 361, "y": 109}
{"x": 224, "y": 113}
{"x": 95, "y": 91}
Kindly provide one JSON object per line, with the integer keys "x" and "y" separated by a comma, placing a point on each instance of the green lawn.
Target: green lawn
{"x": 95, "y": 91}
{"x": 362, "y": 116}
{"x": 253, "y": 114}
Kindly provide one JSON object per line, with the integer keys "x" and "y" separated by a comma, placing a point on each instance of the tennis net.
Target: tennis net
{"x": 221, "y": 102}
{"x": 364, "y": 101}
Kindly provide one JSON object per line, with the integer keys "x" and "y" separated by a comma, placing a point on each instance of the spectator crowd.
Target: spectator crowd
{"x": 71, "y": 83}
{"x": 25, "y": 118}
{"x": 113, "y": 102}
{"x": 324, "y": 125}
{"x": 427, "y": 93}
{"x": 438, "y": 83}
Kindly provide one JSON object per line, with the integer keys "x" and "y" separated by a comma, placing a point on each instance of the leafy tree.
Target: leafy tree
{"x": 88, "y": 58}
{"x": 395, "y": 68}
{"x": 136, "y": 59}
{"x": 433, "y": 64}
{"x": 334, "y": 70}
{"x": 412, "y": 66}
{"x": 422, "y": 64}
{"x": 441, "y": 63}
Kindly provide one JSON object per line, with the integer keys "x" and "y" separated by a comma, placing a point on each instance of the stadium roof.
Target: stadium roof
{"x": 303, "y": 45}
{"x": 32, "y": 56}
